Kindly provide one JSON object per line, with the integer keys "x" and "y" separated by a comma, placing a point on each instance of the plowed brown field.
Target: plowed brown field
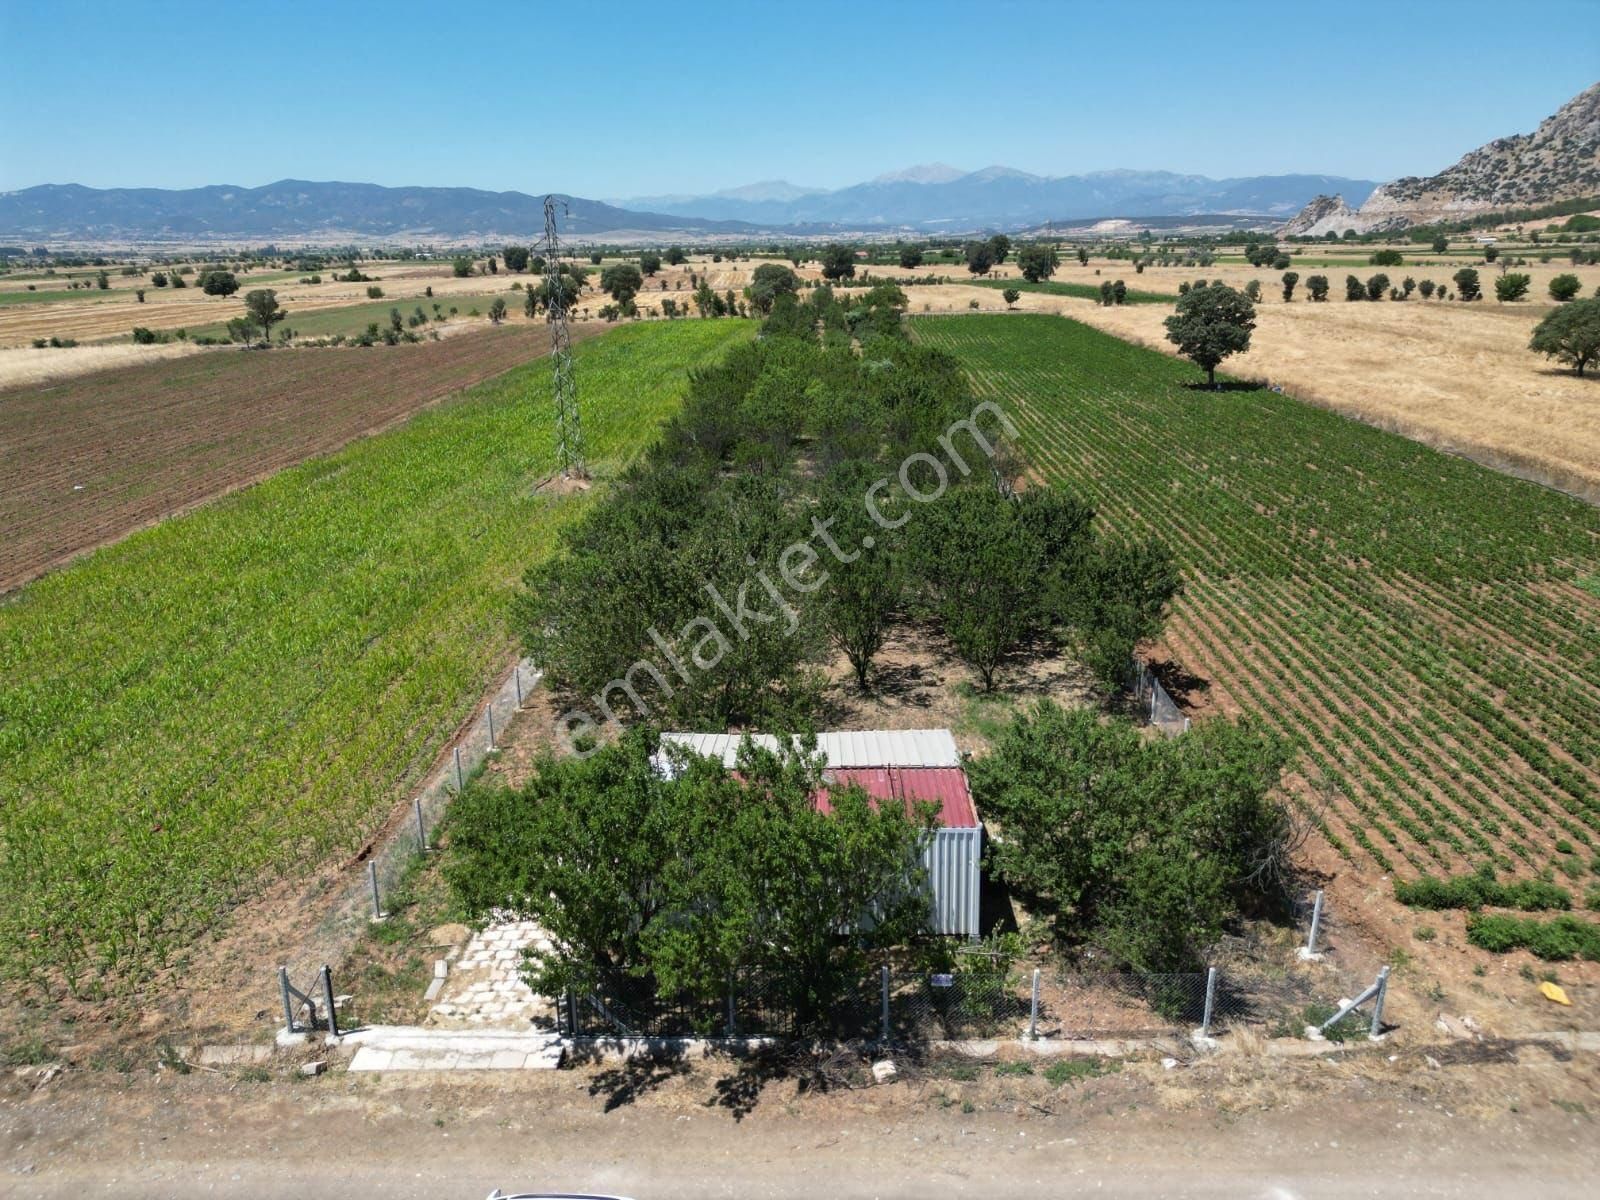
{"x": 88, "y": 460}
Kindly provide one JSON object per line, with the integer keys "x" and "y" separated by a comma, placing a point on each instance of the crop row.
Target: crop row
{"x": 242, "y": 692}
{"x": 1410, "y": 617}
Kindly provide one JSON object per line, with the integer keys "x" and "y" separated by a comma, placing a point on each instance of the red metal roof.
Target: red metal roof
{"x": 945, "y": 787}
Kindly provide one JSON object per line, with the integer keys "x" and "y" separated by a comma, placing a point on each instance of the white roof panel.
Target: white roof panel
{"x": 846, "y": 748}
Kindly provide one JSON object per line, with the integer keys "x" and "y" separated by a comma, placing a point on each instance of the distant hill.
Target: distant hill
{"x": 1558, "y": 161}
{"x": 940, "y": 198}
{"x": 297, "y": 208}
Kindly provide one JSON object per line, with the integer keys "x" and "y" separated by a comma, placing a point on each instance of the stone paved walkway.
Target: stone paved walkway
{"x": 484, "y": 989}
{"x": 400, "y": 1049}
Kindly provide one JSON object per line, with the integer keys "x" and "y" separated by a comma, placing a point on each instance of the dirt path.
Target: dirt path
{"x": 1523, "y": 1125}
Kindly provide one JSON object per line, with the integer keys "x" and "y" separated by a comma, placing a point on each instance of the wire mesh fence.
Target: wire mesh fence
{"x": 359, "y": 895}
{"x": 909, "y": 1007}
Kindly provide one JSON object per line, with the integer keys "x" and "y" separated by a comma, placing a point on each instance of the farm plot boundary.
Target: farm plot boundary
{"x": 247, "y": 690}
{"x": 89, "y": 460}
{"x": 1417, "y": 622}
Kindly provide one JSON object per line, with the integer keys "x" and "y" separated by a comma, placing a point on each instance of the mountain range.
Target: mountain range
{"x": 295, "y": 208}
{"x": 929, "y": 199}
{"x": 937, "y": 197}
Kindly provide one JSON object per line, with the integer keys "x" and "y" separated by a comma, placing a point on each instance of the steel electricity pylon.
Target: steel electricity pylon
{"x": 569, "y": 431}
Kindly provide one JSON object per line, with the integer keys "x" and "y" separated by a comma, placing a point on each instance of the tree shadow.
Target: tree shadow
{"x": 1227, "y": 385}
{"x": 740, "y": 1091}
{"x": 1182, "y": 684}
{"x": 636, "y": 1077}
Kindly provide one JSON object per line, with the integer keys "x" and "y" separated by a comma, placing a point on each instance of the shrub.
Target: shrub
{"x": 1466, "y": 281}
{"x": 1556, "y": 940}
{"x": 1564, "y": 288}
{"x": 1426, "y": 288}
{"x": 1011, "y": 296}
{"x": 374, "y": 293}
{"x": 1071, "y": 1070}
{"x": 1377, "y": 286}
{"x": 1290, "y": 278}
{"x": 1480, "y": 890}
{"x": 1352, "y": 1026}
{"x": 145, "y": 337}
{"x": 1353, "y": 288}
{"x": 1512, "y": 286}
{"x": 1386, "y": 258}
{"x": 1253, "y": 290}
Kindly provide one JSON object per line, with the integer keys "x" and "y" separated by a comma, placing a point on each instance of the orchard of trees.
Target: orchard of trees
{"x": 791, "y": 433}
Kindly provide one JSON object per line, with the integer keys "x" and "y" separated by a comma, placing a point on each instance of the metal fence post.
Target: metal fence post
{"x": 884, "y": 976}
{"x": 516, "y": 674}
{"x": 732, "y": 1027}
{"x": 288, "y": 1008}
{"x": 1033, "y": 1008}
{"x": 1211, "y": 997}
{"x": 372, "y": 877}
{"x": 327, "y": 998}
{"x": 422, "y": 830}
{"x": 1316, "y": 925}
{"x": 572, "y": 1013}
{"x": 460, "y": 779}
{"x": 489, "y": 712}
{"x": 1377, "y": 1003}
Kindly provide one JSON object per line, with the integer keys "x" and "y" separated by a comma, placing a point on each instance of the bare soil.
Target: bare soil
{"x": 87, "y": 461}
{"x": 1480, "y": 1120}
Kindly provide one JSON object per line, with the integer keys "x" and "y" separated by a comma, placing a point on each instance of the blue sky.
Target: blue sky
{"x": 685, "y": 96}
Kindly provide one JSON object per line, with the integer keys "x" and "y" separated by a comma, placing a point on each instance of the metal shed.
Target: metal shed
{"x": 907, "y": 766}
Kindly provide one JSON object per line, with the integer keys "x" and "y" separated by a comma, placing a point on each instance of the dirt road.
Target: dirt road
{"x": 1278, "y": 1130}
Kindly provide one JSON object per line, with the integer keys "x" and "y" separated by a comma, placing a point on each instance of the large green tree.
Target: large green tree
{"x": 838, "y": 262}
{"x": 1142, "y": 849}
{"x": 263, "y": 309}
{"x": 980, "y": 257}
{"x": 769, "y": 282}
{"x": 621, "y": 282}
{"x": 1570, "y": 334}
{"x": 1211, "y": 323}
{"x": 688, "y": 878}
{"x": 219, "y": 283}
{"x": 1038, "y": 261}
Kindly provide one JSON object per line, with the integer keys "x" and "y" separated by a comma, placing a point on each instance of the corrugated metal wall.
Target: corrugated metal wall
{"x": 952, "y": 859}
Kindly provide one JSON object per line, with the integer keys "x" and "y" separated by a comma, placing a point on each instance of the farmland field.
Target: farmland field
{"x": 1428, "y": 628}
{"x": 244, "y": 691}
{"x": 1082, "y": 291}
{"x": 89, "y": 459}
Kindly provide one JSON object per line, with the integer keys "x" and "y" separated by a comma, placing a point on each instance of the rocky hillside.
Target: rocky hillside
{"x": 1325, "y": 214}
{"x": 1558, "y": 161}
